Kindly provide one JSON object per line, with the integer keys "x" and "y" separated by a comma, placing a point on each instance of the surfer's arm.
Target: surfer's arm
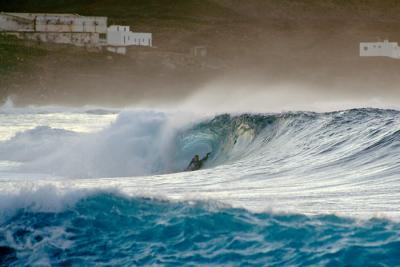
{"x": 206, "y": 157}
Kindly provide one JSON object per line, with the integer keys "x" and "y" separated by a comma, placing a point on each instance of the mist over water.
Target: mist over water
{"x": 259, "y": 151}
{"x": 304, "y": 169}
{"x": 304, "y": 138}
{"x": 219, "y": 97}
{"x": 70, "y": 177}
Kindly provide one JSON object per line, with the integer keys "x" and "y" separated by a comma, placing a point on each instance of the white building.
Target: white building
{"x": 119, "y": 37}
{"x": 72, "y": 29}
{"x": 380, "y": 49}
{"x": 56, "y": 28}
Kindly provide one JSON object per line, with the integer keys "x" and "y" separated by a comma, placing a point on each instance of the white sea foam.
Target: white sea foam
{"x": 338, "y": 163}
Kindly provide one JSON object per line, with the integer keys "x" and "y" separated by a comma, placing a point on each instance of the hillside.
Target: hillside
{"x": 190, "y": 22}
{"x": 309, "y": 42}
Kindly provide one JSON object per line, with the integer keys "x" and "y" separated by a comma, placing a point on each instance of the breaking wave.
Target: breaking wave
{"x": 148, "y": 143}
{"x": 108, "y": 229}
{"x": 273, "y": 192}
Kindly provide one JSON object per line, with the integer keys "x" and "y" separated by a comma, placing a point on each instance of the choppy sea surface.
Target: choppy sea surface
{"x": 98, "y": 187}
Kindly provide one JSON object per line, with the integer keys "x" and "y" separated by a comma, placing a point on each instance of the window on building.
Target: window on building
{"x": 103, "y": 36}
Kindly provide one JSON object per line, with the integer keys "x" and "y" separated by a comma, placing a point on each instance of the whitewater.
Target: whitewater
{"x": 91, "y": 186}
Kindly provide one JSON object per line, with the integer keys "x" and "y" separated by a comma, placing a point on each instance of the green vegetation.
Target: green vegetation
{"x": 182, "y": 12}
{"x": 136, "y": 12}
{"x": 16, "y": 54}
{"x": 18, "y": 60}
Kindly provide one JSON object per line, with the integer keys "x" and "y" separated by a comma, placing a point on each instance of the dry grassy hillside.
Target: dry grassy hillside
{"x": 308, "y": 42}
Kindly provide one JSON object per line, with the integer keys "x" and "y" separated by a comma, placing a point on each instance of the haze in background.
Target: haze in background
{"x": 262, "y": 56}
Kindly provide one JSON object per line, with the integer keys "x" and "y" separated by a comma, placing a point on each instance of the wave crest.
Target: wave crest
{"x": 150, "y": 232}
{"x": 148, "y": 143}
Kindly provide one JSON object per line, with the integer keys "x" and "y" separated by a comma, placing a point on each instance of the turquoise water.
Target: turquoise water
{"x": 108, "y": 230}
{"x": 291, "y": 189}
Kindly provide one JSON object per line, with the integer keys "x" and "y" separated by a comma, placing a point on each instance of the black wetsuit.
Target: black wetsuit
{"x": 197, "y": 164}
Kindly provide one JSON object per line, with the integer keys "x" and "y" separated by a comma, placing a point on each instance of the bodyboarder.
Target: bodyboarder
{"x": 196, "y": 163}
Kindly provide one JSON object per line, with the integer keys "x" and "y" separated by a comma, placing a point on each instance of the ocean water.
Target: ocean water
{"x": 98, "y": 187}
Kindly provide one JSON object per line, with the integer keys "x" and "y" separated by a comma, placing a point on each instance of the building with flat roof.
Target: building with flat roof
{"x": 120, "y": 37}
{"x": 87, "y": 31}
{"x": 56, "y": 28}
{"x": 380, "y": 49}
